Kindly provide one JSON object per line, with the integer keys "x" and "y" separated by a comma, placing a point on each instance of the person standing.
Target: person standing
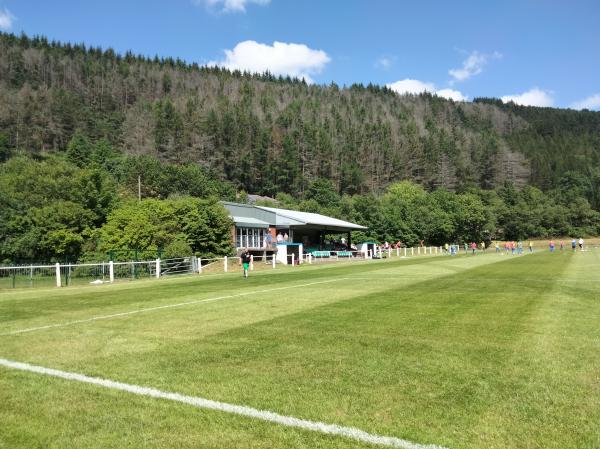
{"x": 245, "y": 259}
{"x": 574, "y": 245}
{"x": 580, "y": 244}
{"x": 473, "y": 247}
{"x": 551, "y": 246}
{"x": 268, "y": 240}
{"x": 530, "y": 246}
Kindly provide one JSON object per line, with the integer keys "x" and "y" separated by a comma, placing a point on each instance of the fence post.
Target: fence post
{"x": 273, "y": 260}
{"x": 412, "y": 251}
{"x": 389, "y": 252}
{"x": 58, "y": 280}
{"x": 309, "y": 258}
{"x": 293, "y": 259}
{"x": 225, "y": 264}
{"x": 199, "y": 265}
{"x": 397, "y": 251}
{"x": 111, "y": 272}
{"x": 418, "y": 250}
{"x": 157, "y": 268}
{"x": 251, "y": 262}
{"x": 405, "y": 251}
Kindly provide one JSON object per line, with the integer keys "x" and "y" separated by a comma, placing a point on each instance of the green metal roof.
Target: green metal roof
{"x": 249, "y": 222}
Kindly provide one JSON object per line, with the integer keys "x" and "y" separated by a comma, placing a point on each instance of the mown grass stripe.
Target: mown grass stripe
{"x": 264, "y": 415}
{"x": 167, "y": 306}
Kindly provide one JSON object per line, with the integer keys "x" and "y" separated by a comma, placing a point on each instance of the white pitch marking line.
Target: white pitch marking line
{"x": 167, "y": 306}
{"x": 264, "y": 415}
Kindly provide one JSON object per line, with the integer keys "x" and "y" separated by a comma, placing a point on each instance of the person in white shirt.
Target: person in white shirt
{"x": 581, "y": 244}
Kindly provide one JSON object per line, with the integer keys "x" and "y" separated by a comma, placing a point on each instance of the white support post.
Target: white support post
{"x": 251, "y": 262}
{"x": 389, "y": 251}
{"x": 309, "y": 258}
{"x": 111, "y": 271}
{"x": 58, "y": 280}
{"x": 436, "y": 250}
{"x": 273, "y": 260}
{"x": 412, "y": 251}
{"x": 199, "y": 265}
{"x": 418, "y": 251}
{"x": 430, "y": 249}
{"x": 157, "y": 268}
{"x": 405, "y": 251}
{"x": 293, "y": 259}
{"x": 225, "y": 264}
{"x": 397, "y": 252}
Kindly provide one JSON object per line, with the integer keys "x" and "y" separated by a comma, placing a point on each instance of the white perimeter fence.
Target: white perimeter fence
{"x": 63, "y": 275}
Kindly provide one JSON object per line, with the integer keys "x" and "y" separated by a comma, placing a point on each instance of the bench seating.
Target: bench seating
{"x": 344, "y": 253}
{"x": 321, "y": 253}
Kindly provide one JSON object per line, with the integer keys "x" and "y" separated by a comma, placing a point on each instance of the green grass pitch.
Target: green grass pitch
{"x": 463, "y": 352}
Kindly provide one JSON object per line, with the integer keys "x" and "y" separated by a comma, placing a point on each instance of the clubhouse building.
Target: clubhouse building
{"x": 267, "y": 230}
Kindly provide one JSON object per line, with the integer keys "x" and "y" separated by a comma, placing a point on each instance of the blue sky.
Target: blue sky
{"x": 533, "y": 52}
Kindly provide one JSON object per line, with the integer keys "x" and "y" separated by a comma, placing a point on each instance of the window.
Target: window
{"x": 250, "y": 237}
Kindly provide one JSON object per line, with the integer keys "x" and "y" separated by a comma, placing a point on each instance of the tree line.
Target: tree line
{"x": 82, "y": 205}
{"x": 268, "y": 134}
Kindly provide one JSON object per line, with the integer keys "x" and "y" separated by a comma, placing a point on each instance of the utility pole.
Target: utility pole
{"x": 139, "y": 187}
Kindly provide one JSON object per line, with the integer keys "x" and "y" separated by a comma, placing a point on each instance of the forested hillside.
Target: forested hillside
{"x": 79, "y": 126}
{"x": 268, "y": 134}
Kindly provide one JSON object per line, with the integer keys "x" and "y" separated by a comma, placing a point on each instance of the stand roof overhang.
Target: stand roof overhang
{"x": 263, "y": 217}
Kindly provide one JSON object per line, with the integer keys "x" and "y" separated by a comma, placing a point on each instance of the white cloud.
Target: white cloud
{"x": 410, "y": 86}
{"x": 533, "y": 97}
{"x": 6, "y": 20}
{"x": 232, "y": 5}
{"x": 592, "y": 102}
{"x": 451, "y": 94}
{"x": 296, "y": 60}
{"x": 385, "y": 62}
{"x": 472, "y": 66}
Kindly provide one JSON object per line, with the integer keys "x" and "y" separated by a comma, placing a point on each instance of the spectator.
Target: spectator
{"x": 268, "y": 240}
